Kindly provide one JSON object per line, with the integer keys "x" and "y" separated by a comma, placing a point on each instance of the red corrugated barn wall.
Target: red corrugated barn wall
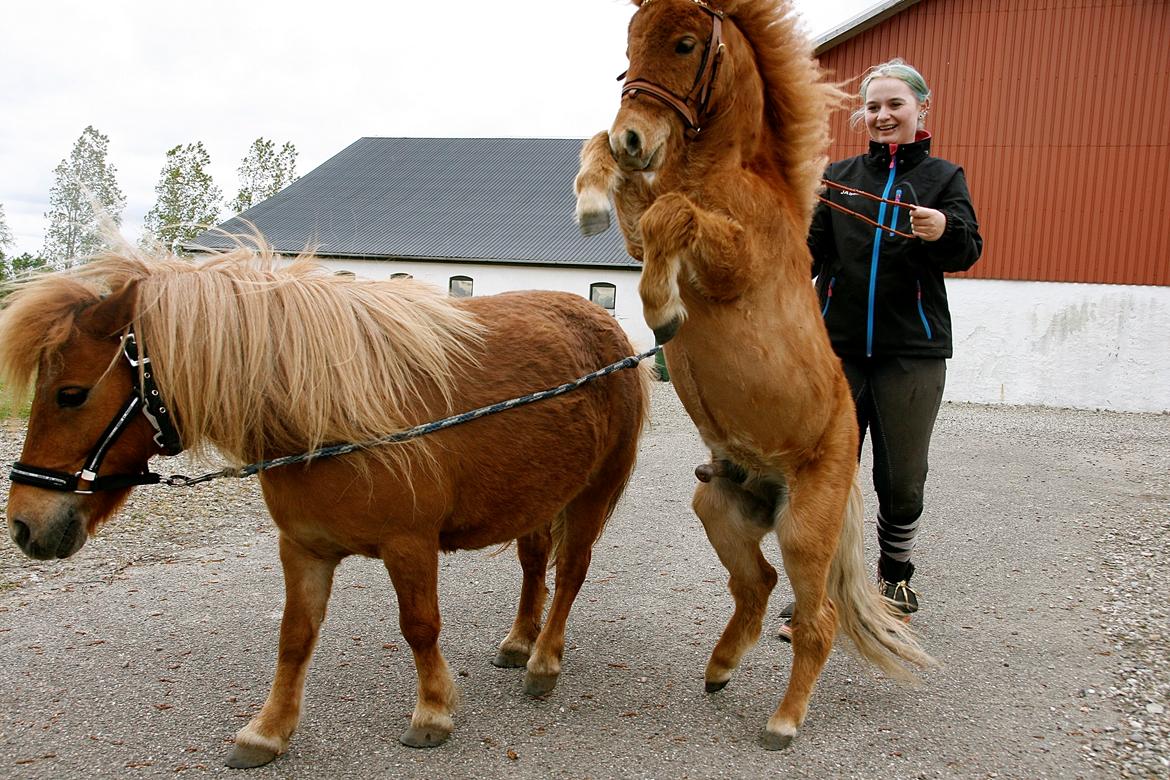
{"x": 1059, "y": 111}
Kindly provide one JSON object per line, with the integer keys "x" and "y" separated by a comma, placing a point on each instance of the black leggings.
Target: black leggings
{"x": 897, "y": 400}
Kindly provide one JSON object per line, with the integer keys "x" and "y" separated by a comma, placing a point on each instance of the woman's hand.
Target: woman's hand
{"x": 927, "y": 224}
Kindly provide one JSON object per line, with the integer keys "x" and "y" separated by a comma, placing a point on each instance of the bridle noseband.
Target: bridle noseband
{"x": 693, "y": 107}
{"x": 144, "y": 397}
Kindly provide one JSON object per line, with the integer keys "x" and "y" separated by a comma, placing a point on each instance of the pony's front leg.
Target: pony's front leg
{"x": 308, "y": 580}
{"x": 597, "y": 180}
{"x": 414, "y": 570}
{"x": 686, "y": 244}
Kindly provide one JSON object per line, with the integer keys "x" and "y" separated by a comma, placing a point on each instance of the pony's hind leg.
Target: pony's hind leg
{"x": 532, "y": 550}
{"x": 413, "y": 565}
{"x": 808, "y": 534}
{"x": 736, "y": 519}
{"x": 573, "y": 533}
{"x": 308, "y": 580}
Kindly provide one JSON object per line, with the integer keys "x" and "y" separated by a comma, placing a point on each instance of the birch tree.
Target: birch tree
{"x": 85, "y": 180}
{"x": 187, "y": 200}
{"x": 264, "y": 171}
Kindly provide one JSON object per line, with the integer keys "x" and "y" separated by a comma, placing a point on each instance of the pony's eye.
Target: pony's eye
{"x": 72, "y": 396}
{"x": 685, "y": 46}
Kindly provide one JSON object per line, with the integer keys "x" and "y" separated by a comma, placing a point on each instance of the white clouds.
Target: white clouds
{"x": 150, "y": 76}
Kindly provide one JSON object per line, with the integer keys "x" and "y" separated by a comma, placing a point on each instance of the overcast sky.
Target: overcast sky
{"x": 151, "y": 75}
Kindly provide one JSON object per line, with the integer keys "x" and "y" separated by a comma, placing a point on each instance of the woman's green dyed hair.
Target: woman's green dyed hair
{"x": 896, "y": 68}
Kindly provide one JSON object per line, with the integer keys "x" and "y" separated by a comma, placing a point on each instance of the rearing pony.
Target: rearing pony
{"x": 713, "y": 163}
{"x": 260, "y": 360}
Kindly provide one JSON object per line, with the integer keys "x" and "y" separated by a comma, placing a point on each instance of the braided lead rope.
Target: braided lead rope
{"x": 178, "y": 480}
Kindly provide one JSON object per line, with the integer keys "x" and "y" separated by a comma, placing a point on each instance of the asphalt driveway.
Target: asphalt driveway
{"x": 1041, "y": 568}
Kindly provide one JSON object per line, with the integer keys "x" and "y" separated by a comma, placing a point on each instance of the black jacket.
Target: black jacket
{"x": 882, "y": 294}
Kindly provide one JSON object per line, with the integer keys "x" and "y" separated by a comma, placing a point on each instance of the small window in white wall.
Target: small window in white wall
{"x": 604, "y": 295}
{"x": 460, "y": 287}
{"x": 401, "y": 276}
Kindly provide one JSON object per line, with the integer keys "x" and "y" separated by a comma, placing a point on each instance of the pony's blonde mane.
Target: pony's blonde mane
{"x": 260, "y": 358}
{"x": 797, "y": 97}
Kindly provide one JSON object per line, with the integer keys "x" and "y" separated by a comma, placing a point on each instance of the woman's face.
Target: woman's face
{"x": 891, "y": 111}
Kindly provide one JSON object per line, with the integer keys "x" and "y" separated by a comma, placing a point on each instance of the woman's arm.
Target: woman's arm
{"x": 950, "y": 231}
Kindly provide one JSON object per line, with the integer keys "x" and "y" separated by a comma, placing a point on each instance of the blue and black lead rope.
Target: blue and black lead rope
{"x": 251, "y": 469}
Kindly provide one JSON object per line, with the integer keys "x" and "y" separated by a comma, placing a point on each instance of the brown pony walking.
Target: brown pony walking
{"x": 256, "y": 361}
{"x": 713, "y": 163}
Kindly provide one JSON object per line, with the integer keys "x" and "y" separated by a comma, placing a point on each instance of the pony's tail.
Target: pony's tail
{"x": 879, "y": 636}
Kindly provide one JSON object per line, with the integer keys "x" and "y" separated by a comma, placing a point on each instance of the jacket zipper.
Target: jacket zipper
{"x": 894, "y": 219}
{"x": 828, "y": 297}
{"x": 877, "y": 245}
{"x": 922, "y": 312}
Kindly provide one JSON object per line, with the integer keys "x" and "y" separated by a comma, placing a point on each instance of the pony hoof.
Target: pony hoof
{"x": 539, "y": 684}
{"x": 510, "y": 659}
{"x": 423, "y": 738}
{"x": 714, "y": 686}
{"x": 249, "y": 757}
{"x": 594, "y": 222}
{"x": 772, "y": 741}
{"x": 664, "y": 333}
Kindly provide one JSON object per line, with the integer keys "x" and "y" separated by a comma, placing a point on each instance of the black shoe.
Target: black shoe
{"x": 899, "y": 595}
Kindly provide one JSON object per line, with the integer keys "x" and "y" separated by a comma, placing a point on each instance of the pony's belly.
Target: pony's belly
{"x": 758, "y": 413}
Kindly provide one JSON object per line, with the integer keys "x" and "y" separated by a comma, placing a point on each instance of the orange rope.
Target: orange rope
{"x": 862, "y": 217}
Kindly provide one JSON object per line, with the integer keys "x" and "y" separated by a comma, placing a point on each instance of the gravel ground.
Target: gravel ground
{"x": 1042, "y": 573}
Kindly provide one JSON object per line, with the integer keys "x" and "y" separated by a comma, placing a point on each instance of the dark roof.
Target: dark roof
{"x": 856, "y": 25}
{"x": 506, "y": 200}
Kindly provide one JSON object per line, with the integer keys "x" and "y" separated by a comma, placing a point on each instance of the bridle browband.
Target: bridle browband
{"x": 145, "y": 398}
{"x": 693, "y": 107}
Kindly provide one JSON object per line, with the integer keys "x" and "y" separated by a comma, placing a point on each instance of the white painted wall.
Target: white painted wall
{"x": 1083, "y": 346}
{"x": 490, "y": 279}
{"x": 1080, "y": 346}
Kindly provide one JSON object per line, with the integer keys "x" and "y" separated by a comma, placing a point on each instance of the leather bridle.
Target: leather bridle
{"x": 694, "y": 105}
{"x": 145, "y": 398}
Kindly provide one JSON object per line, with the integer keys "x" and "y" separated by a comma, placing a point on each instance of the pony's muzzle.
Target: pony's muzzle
{"x": 59, "y": 539}
{"x": 632, "y": 150}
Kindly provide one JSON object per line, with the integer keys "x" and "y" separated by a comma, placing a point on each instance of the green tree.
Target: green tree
{"x": 5, "y": 234}
{"x": 264, "y": 171}
{"x": 26, "y": 262}
{"x": 188, "y": 201}
{"x": 11, "y": 267}
{"x": 84, "y": 181}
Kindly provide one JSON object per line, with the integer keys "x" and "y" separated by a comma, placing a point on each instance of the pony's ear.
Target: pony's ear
{"x": 110, "y": 316}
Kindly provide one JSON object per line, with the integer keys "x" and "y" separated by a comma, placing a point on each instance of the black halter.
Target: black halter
{"x": 144, "y": 397}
